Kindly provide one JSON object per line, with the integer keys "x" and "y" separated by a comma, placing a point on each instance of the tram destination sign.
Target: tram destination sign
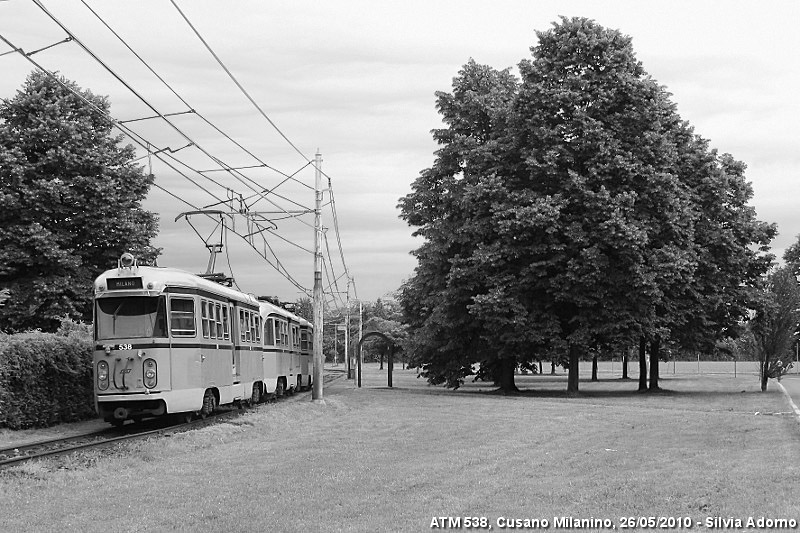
{"x": 121, "y": 284}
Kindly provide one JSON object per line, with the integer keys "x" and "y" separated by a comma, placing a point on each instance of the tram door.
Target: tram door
{"x": 186, "y": 365}
{"x": 246, "y": 362}
{"x": 216, "y": 347}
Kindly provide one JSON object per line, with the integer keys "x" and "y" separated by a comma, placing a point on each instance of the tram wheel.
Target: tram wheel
{"x": 255, "y": 398}
{"x": 209, "y": 403}
{"x": 280, "y": 389}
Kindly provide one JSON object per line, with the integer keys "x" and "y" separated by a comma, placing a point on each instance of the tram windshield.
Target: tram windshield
{"x": 131, "y": 317}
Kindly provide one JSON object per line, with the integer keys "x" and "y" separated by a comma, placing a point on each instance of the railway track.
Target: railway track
{"x": 111, "y": 436}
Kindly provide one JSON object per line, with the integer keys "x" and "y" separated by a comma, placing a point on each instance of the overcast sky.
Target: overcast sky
{"x": 356, "y": 80}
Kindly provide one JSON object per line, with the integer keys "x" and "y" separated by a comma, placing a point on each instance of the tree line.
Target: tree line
{"x": 573, "y": 209}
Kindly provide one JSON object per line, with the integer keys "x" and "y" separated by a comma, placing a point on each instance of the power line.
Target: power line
{"x": 336, "y": 227}
{"x": 239, "y": 85}
{"x": 277, "y": 265}
{"x": 261, "y": 111}
{"x": 144, "y": 144}
{"x": 179, "y": 97}
{"x": 238, "y": 175}
{"x": 259, "y": 194}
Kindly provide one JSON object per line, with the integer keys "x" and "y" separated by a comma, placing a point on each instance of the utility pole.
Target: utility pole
{"x": 360, "y": 333}
{"x": 319, "y": 358}
{"x": 347, "y": 333}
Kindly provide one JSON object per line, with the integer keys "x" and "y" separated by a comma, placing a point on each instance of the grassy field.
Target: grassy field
{"x": 379, "y": 459}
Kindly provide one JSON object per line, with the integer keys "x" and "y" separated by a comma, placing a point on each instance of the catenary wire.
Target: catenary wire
{"x": 236, "y": 175}
{"x": 136, "y": 138}
{"x": 183, "y": 100}
{"x": 278, "y": 265}
{"x": 261, "y": 111}
{"x": 222, "y": 164}
{"x": 236, "y": 81}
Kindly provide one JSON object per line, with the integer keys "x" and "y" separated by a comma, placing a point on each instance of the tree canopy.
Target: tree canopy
{"x": 70, "y": 202}
{"x": 571, "y": 209}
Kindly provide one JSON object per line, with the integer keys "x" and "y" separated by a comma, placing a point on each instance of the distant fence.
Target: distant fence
{"x": 614, "y": 367}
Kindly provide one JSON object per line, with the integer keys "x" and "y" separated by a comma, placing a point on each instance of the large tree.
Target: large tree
{"x": 70, "y": 202}
{"x": 731, "y": 247}
{"x": 572, "y": 211}
{"x": 597, "y": 135}
{"x": 449, "y": 206}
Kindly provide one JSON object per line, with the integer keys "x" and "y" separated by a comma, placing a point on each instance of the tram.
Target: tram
{"x": 168, "y": 341}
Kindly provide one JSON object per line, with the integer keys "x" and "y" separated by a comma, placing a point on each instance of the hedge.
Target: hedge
{"x": 45, "y": 378}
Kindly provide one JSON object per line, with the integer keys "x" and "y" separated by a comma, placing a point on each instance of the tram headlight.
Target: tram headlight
{"x": 102, "y": 375}
{"x": 150, "y": 371}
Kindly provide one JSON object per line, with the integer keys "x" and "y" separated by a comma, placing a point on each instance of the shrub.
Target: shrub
{"x": 45, "y": 378}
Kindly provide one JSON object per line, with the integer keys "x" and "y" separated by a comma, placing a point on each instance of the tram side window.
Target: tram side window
{"x": 181, "y": 317}
{"x": 212, "y": 319}
{"x": 304, "y": 340}
{"x": 226, "y": 332}
{"x": 277, "y": 332}
{"x": 204, "y": 315}
{"x": 284, "y": 333}
{"x": 269, "y": 332}
{"x": 246, "y": 325}
{"x": 255, "y": 328}
{"x": 218, "y": 320}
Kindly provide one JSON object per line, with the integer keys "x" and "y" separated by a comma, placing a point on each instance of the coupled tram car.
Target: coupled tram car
{"x": 171, "y": 342}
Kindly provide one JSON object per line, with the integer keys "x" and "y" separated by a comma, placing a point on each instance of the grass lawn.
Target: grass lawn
{"x": 378, "y": 459}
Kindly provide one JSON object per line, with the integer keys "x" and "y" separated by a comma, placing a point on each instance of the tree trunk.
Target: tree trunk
{"x": 572, "y": 378}
{"x": 655, "y": 348}
{"x": 540, "y": 367}
{"x": 764, "y": 376}
{"x": 505, "y": 378}
{"x": 625, "y": 365}
{"x": 552, "y": 367}
{"x": 594, "y": 368}
{"x": 642, "y": 364}
{"x": 381, "y": 367}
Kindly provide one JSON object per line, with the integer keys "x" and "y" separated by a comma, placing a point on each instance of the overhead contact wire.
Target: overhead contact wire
{"x": 236, "y": 81}
{"x": 147, "y": 103}
{"x": 183, "y": 100}
{"x": 137, "y": 139}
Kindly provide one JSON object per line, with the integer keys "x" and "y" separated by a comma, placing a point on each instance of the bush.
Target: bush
{"x": 45, "y": 378}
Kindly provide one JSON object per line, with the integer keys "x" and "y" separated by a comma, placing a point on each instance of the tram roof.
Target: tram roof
{"x": 164, "y": 277}
{"x": 173, "y": 277}
{"x": 268, "y": 308}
